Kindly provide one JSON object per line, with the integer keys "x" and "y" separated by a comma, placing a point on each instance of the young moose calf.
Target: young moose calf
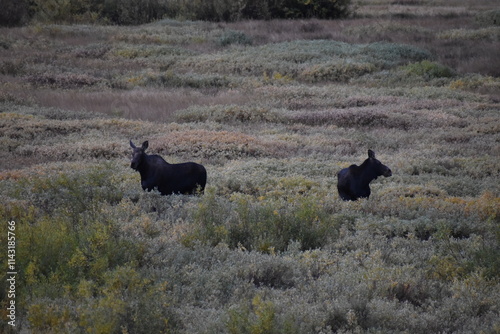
{"x": 184, "y": 178}
{"x": 354, "y": 182}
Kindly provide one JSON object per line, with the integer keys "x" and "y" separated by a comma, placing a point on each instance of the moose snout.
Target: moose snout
{"x": 388, "y": 172}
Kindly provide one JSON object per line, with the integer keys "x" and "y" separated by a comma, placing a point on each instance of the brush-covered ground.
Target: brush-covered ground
{"x": 273, "y": 110}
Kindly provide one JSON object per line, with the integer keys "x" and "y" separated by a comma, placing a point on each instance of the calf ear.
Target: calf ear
{"x": 371, "y": 154}
{"x": 145, "y": 145}
{"x": 132, "y": 144}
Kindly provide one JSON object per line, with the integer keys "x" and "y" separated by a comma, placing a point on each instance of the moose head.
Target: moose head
{"x": 138, "y": 154}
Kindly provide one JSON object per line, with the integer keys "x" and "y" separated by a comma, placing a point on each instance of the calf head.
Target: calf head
{"x": 376, "y": 166}
{"x": 138, "y": 154}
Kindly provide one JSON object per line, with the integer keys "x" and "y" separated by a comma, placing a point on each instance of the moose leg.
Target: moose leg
{"x": 147, "y": 186}
{"x": 344, "y": 194}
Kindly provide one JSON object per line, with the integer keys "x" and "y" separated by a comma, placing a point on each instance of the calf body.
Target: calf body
{"x": 354, "y": 182}
{"x": 183, "y": 178}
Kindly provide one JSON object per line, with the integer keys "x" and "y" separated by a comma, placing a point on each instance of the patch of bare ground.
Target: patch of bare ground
{"x": 151, "y": 104}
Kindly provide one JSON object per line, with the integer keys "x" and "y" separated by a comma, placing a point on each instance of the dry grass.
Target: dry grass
{"x": 145, "y": 104}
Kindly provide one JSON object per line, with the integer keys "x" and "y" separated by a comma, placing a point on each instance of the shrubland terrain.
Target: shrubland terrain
{"x": 273, "y": 109}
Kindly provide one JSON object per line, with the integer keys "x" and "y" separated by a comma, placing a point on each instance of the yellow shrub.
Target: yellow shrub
{"x": 487, "y": 206}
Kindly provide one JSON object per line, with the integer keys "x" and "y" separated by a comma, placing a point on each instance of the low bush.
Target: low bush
{"x": 429, "y": 70}
{"x": 336, "y": 72}
{"x": 13, "y": 68}
{"x": 170, "y": 79}
{"x": 227, "y": 114}
{"x": 150, "y": 51}
{"x": 126, "y": 301}
{"x": 62, "y": 247}
{"x": 217, "y": 144}
{"x": 313, "y": 61}
{"x": 266, "y": 226}
{"x": 64, "y": 81}
{"x": 477, "y": 83}
{"x": 491, "y": 34}
{"x": 234, "y": 37}
{"x": 488, "y": 18}
{"x": 258, "y": 317}
{"x": 96, "y": 51}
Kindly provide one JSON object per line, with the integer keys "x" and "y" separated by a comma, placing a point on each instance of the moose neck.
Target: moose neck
{"x": 143, "y": 166}
{"x": 367, "y": 174}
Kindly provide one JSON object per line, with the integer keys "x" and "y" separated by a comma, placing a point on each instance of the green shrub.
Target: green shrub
{"x": 68, "y": 236}
{"x": 95, "y": 51}
{"x": 392, "y": 54}
{"x": 13, "y": 68}
{"x": 265, "y": 226}
{"x": 64, "y": 81}
{"x": 133, "y": 51}
{"x": 71, "y": 193}
{"x": 258, "y": 318}
{"x": 129, "y": 302}
{"x": 122, "y": 301}
{"x": 67, "y": 11}
{"x": 171, "y": 79}
{"x": 234, "y": 37}
{"x": 314, "y": 60}
{"x": 50, "y": 315}
{"x": 489, "y": 34}
{"x": 488, "y": 18}
{"x": 227, "y": 114}
{"x": 337, "y": 72}
{"x": 429, "y": 70}
{"x": 487, "y": 261}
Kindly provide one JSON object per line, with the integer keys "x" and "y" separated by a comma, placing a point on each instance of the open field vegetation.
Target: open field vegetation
{"x": 273, "y": 109}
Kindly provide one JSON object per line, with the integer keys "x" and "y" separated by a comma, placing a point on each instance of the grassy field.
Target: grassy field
{"x": 273, "y": 110}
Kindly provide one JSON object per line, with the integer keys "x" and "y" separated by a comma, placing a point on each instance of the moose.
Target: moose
{"x": 183, "y": 178}
{"x": 354, "y": 182}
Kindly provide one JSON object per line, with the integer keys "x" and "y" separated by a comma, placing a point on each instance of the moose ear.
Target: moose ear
{"x": 132, "y": 144}
{"x": 371, "y": 154}
{"x": 145, "y": 145}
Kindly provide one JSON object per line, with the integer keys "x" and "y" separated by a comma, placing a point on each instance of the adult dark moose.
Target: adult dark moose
{"x": 183, "y": 178}
{"x": 354, "y": 182}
